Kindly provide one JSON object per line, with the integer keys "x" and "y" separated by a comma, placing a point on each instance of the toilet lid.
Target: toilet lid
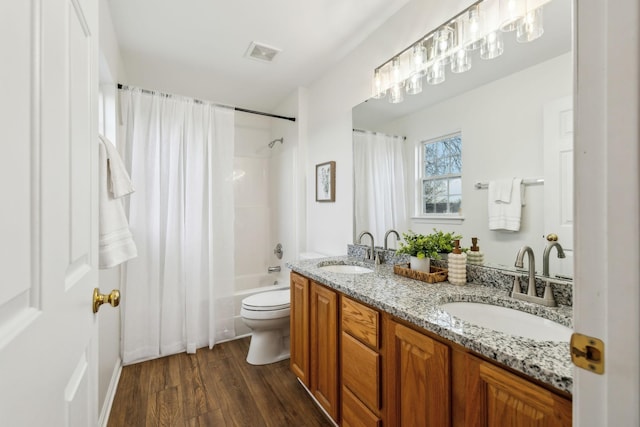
{"x": 266, "y": 301}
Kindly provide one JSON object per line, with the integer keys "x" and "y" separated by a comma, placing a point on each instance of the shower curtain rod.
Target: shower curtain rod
{"x": 365, "y": 131}
{"x": 198, "y": 101}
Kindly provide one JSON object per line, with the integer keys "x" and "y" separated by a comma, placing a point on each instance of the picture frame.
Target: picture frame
{"x": 326, "y": 182}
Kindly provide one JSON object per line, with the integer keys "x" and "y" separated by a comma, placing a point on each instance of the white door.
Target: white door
{"x": 607, "y": 209}
{"x": 558, "y": 181}
{"x": 48, "y": 220}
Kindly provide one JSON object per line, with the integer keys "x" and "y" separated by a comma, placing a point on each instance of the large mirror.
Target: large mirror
{"x": 513, "y": 115}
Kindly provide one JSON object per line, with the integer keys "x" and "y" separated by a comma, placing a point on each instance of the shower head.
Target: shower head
{"x": 272, "y": 143}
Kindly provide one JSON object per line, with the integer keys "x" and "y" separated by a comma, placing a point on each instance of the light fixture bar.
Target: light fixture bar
{"x": 477, "y": 27}
{"x": 429, "y": 34}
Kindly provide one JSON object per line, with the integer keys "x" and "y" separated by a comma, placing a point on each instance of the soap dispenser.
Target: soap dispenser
{"x": 457, "y": 265}
{"x": 475, "y": 256}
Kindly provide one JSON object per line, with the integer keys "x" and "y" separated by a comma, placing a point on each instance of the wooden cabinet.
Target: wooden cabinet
{"x": 299, "y": 329}
{"x": 324, "y": 348}
{"x": 361, "y": 364}
{"x": 314, "y": 340}
{"x": 496, "y": 398}
{"x": 418, "y": 378}
{"x": 368, "y": 369}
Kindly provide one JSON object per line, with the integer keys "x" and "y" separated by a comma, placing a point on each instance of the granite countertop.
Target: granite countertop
{"x": 419, "y": 303}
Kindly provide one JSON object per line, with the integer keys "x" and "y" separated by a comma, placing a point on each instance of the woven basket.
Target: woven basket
{"x": 437, "y": 274}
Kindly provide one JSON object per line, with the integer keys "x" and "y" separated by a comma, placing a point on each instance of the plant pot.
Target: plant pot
{"x": 421, "y": 264}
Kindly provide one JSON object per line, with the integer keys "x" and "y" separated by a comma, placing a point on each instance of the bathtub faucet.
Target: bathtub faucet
{"x": 275, "y": 269}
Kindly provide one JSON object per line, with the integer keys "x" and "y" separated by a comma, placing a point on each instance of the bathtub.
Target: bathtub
{"x": 248, "y": 285}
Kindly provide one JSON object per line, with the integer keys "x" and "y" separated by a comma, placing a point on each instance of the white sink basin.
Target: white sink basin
{"x": 508, "y": 321}
{"x": 346, "y": 269}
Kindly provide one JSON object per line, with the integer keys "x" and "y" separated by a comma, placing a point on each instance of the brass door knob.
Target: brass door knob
{"x": 552, "y": 237}
{"x": 112, "y": 298}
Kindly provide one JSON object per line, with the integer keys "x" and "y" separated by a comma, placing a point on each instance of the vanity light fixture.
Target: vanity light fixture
{"x": 478, "y": 27}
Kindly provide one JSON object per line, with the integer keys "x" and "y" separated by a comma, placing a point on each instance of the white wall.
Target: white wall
{"x": 284, "y": 165}
{"x": 109, "y": 362}
{"x": 252, "y": 201}
{"x": 498, "y": 141}
{"x": 329, "y": 103}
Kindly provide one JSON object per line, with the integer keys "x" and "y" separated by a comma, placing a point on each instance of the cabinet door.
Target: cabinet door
{"x": 417, "y": 373}
{"x": 299, "y": 336}
{"x": 324, "y": 348}
{"x": 498, "y": 398}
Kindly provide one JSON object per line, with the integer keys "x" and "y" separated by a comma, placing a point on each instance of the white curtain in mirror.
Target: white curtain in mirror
{"x": 380, "y": 199}
{"x": 178, "y": 293}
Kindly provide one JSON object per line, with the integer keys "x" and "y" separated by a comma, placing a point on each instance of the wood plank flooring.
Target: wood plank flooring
{"x": 212, "y": 388}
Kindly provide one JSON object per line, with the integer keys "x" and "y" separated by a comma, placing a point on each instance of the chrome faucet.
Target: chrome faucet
{"x": 386, "y": 235}
{"x": 531, "y": 290}
{"x": 547, "y": 252}
{"x": 547, "y": 299}
{"x": 372, "y": 254}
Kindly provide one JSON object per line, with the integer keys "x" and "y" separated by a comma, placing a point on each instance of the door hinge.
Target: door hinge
{"x": 587, "y": 353}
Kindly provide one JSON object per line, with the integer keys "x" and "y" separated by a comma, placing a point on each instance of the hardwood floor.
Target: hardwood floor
{"x": 212, "y": 388}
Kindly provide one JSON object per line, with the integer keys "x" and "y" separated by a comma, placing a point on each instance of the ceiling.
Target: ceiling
{"x": 203, "y": 42}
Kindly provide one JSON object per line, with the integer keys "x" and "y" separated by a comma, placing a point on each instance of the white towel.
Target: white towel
{"x": 119, "y": 183}
{"x": 505, "y": 215}
{"x": 500, "y": 190}
{"x": 116, "y": 242}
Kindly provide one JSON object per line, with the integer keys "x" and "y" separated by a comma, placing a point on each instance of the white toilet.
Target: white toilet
{"x": 267, "y": 314}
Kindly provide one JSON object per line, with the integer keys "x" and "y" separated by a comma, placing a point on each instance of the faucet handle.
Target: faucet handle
{"x": 548, "y": 298}
{"x": 516, "y": 286}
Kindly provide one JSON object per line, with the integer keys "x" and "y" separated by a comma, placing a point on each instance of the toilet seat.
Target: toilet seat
{"x": 264, "y": 314}
{"x": 268, "y": 301}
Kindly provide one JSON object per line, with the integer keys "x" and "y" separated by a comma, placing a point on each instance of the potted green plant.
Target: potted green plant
{"x": 422, "y": 248}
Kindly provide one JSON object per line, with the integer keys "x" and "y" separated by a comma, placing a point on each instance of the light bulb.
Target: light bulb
{"x": 396, "y": 77}
{"x": 530, "y": 27}
{"x": 460, "y": 61}
{"x": 443, "y": 39}
{"x": 472, "y": 26}
{"x": 377, "y": 90}
{"x": 436, "y": 73}
{"x": 511, "y": 12}
{"x": 492, "y": 45}
{"x": 396, "y": 94}
{"x": 413, "y": 85}
{"x": 419, "y": 59}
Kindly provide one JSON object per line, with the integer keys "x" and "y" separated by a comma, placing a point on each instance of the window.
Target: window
{"x": 441, "y": 175}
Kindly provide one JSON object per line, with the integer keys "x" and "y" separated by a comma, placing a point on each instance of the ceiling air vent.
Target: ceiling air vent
{"x": 261, "y": 52}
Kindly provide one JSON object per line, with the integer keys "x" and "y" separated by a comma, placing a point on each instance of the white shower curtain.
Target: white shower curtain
{"x": 380, "y": 199}
{"x": 178, "y": 294}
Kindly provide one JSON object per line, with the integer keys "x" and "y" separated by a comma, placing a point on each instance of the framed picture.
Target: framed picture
{"x": 326, "y": 182}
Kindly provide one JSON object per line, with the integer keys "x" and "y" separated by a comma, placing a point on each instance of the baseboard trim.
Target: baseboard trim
{"x": 111, "y": 394}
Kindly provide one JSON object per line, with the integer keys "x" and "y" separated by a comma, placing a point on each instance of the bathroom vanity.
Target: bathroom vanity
{"x": 377, "y": 349}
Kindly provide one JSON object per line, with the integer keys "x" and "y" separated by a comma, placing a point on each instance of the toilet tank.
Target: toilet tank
{"x": 310, "y": 255}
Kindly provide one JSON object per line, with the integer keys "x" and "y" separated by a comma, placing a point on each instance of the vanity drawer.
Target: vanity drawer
{"x": 361, "y": 322}
{"x": 355, "y": 413}
{"x": 361, "y": 371}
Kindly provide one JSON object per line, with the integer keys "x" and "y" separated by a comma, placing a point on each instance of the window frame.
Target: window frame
{"x": 421, "y": 177}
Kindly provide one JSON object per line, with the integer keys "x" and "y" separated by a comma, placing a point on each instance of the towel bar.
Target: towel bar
{"x": 532, "y": 181}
